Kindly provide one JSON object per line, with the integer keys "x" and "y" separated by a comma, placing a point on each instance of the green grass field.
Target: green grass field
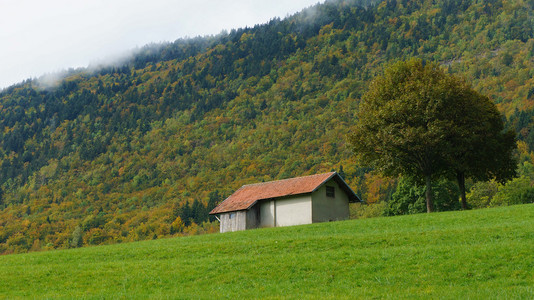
{"x": 481, "y": 254}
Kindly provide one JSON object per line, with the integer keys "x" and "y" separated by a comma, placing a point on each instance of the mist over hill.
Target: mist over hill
{"x": 143, "y": 149}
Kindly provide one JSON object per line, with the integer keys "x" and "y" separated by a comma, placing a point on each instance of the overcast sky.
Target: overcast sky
{"x": 39, "y": 37}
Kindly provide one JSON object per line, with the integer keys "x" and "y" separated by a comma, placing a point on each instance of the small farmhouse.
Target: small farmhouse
{"x": 294, "y": 201}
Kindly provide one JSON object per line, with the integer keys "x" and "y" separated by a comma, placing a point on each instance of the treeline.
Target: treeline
{"x": 134, "y": 145}
{"x": 196, "y": 212}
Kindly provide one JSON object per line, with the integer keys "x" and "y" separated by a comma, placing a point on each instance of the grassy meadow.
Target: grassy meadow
{"x": 480, "y": 254}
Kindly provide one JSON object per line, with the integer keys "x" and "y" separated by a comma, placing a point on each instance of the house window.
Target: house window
{"x": 330, "y": 192}
{"x": 232, "y": 215}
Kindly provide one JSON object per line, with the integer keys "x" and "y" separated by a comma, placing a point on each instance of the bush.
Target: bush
{"x": 409, "y": 197}
{"x": 77, "y": 239}
{"x": 517, "y": 191}
{"x": 482, "y": 193}
{"x": 363, "y": 211}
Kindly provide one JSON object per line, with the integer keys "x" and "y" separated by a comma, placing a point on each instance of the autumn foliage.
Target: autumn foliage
{"x": 115, "y": 154}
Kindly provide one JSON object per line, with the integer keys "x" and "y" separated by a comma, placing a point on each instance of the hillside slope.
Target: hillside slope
{"x": 477, "y": 254}
{"x": 143, "y": 150}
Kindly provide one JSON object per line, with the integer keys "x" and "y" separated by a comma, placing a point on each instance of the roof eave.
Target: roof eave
{"x": 254, "y": 203}
{"x": 226, "y": 211}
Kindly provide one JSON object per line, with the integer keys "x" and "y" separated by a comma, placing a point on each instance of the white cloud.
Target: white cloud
{"x": 46, "y": 36}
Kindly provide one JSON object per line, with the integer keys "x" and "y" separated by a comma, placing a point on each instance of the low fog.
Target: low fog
{"x": 46, "y": 37}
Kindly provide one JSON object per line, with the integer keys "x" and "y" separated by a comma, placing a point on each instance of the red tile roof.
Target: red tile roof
{"x": 249, "y": 194}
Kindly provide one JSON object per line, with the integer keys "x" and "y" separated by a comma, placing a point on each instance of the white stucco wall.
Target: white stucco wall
{"x": 287, "y": 211}
{"x": 294, "y": 210}
{"x": 325, "y": 209}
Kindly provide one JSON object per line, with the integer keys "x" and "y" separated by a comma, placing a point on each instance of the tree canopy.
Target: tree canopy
{"x": 483, "y": 149}
{"x": 130, "y": 146}
{"x": 418, "y": 121}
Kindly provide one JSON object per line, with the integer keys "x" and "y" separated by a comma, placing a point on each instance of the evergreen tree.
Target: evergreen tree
{"x": 213, "y": 200}
{"x": 341, "y": 172}
{"x": 186, "y": 214}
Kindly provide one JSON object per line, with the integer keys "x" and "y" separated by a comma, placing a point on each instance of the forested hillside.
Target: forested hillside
{"x": 144, "y": 149}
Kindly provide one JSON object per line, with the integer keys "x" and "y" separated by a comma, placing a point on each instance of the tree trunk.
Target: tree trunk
{"x": 460, "y": 176}
{"x": 428, "y": 194}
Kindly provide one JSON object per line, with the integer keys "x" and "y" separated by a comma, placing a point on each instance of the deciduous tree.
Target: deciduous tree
{"x": 483, "y": 150}
{"x": 416, "y": 120}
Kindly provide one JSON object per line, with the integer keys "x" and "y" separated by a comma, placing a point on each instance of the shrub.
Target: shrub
{"x": 77, "y": 235}
{"x": 482, "y": 193}
{"x": 517, "y": 191}
{"x": 409, "y": 197}
{"x": 363, "y": 211}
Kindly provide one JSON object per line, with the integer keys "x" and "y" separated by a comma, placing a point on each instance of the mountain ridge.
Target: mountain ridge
{"x": 127, "y": 152}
